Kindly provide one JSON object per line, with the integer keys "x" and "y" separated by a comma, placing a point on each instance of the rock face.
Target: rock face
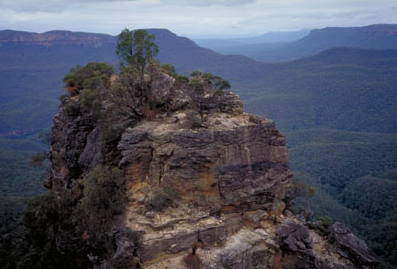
{"x": 352, "y": 247}
{"x": 215, "y": 180}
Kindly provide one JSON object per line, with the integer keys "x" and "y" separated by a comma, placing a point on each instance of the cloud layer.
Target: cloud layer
{"x": 193, "y": 17}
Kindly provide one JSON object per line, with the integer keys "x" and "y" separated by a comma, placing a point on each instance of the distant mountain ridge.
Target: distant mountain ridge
{"x": 53, "y": 38}
{"x": 270, "y": 37}
{"x": 379, "y": 37}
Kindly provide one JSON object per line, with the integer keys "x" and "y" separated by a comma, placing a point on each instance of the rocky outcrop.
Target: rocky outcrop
{"x": 215, "y": 179}
{"x": 351, "y": 247}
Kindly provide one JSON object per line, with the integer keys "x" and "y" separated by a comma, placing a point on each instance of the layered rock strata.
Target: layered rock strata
{"x": 219, "y": 186}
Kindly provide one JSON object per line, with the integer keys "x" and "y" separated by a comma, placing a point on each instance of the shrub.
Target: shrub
{"x": 254, "y": 119}
{"x": 90, "y": 76}
{"x": 196, "y": 73}
{"x": 162, "y": 199}
{"x": 90, "y": 102}
{"x": 222, "y": 84}
{"x": 324, "y": 223}
{"x": 197, "y": 85}
{"x": 193, "y": 121}
{"x": 112, "y": 133}
{"x": 63, "y": 98}
{"x": 299, "y": 189}
{"x": 103, "y": 198}
{"x": 73, "y": 109}
{"x": 38, "y": 159}
{"x": 169, "y": 69}
{"x": 134, "y": 236}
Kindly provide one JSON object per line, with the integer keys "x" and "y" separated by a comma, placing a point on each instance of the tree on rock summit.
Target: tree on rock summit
{"x": 135, "y": 50}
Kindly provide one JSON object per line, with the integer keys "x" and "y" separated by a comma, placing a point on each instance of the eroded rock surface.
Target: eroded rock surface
{"x": 215, "y": 179}
{"x": 352, "y": 247}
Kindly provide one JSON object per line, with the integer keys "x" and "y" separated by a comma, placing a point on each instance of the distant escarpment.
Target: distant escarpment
{"x": 55, "y": 38}
{"x": 170, "y": 172}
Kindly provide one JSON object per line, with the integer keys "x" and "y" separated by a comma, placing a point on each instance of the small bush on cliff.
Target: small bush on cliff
{"x": 299, "y": 189}
{"x": 73, "y": 109}
{"x": 192, "y": 120}
{"x": 206, "y": 88}
{"x": 39, "y": 158}
{"x": 103, "y": 198}
{"x": 169, "y": 69}
{"x": 91, "y": 81}
{"x": 162, "y": 199}
{"x": 91, "y": 76}
{"x": 322, "y": 225}
{"x": 181, "y": 81}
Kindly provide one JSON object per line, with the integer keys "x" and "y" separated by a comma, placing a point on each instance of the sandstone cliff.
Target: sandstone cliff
{"x": 206, "y": 180}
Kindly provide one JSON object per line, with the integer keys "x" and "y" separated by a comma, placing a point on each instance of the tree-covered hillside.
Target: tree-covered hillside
{"x": 355, "y": 175}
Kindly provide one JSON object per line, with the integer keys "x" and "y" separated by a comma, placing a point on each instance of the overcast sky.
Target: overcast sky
{"x": 193, "y": 18}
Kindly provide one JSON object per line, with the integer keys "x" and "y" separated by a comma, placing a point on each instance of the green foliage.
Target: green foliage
{"x": 31, "y": 242}
{"x": 40, "y": 220}
{"x": 41, "y": 223}
{"x": 103, "y": 198}
{"x": 372, "y": 197}
{"x": 200, "y": 80}
{"x": 197, "y": 85}
{"x": 38, "y": 159}
{"x": 112, "y": 132}
{"x": 322, "y": 224}
{"x": 162, "y": 199}
{"x": 136, "y": 50}
{"x": 17, "y": 177}
{"x": 45, "y": 136}
{"x": 354, "y": 174}
{"x": 300, "y": 189}
{"x": 170, "y": 70}
{"x": 90, "y": 102}
{"x": 336, "y": 157}
{"x": 254, "y": 119}
{"x": 92, "y": 76}
{"x": 134, "y": 236}
{"x": 381, "y": 237}
{"x": 181, "y": 80}
{"x": 92, "y": 80}
{"x": 73, "y": 109}
{"x": 222, "y": 84}
{"x": 196, "y": 73}
{"x": 345, "y": 89}
{"x": 63, "y": 98}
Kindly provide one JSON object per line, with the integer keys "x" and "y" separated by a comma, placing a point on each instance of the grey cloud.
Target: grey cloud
{"x": 192, "y": 17}
{"x": 210, "y": 2}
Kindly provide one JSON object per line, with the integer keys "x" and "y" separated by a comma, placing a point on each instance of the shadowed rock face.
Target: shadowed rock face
{"x": 218, "y": 185}
{"x": 352, "y": 247}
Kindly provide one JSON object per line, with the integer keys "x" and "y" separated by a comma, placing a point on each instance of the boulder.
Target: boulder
{"x": 351, "y": 247}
